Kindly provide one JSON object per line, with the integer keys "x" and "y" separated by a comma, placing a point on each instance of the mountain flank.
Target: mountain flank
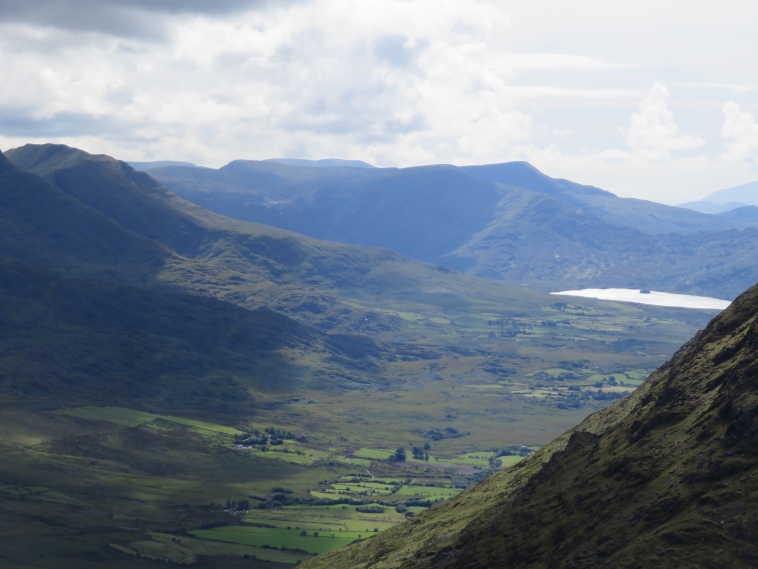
{"x": 504, "y": 221}
{"x": 88, "y": 215}
{"x": 112, "y": 292}
{"x": 666, "y": 477}
{"x": 44, "y": 225}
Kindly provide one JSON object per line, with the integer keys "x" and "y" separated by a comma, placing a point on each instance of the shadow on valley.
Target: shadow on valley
{"x": 80, "y": 340}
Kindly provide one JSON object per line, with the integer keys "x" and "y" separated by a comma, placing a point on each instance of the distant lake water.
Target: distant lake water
{"x": 653, "y": 297}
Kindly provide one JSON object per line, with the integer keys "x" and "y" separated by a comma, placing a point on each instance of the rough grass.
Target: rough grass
{"x": 277, "y": 537}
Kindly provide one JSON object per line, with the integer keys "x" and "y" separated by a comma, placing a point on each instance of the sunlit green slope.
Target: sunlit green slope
{"x": 664, "y": 478}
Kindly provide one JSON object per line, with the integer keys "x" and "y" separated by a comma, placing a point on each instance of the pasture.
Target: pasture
{"x": 167, "y": 487}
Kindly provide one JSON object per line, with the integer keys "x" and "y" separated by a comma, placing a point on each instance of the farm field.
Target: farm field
{"x": 493, "y": 385}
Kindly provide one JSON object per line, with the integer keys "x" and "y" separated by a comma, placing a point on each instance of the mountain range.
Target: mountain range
{"x": 97, "y": 247}
{"x": 88, "y": 215}
{"x": 505, "y": 221}
{"x": 131, "y": 317}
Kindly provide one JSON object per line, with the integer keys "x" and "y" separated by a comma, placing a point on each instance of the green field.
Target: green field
{"x": 146, "y": 475}
{"x": 380, "y": 454}
{"x": 313, "y": 542}
{"x": 132, "y": 418}
{"x": 424, "y": 492}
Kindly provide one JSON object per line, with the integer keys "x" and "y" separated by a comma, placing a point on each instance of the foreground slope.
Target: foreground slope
{"x": 664, "y": 478}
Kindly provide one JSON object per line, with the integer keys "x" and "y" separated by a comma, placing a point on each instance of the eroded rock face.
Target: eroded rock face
{"x": 664, "y": 478}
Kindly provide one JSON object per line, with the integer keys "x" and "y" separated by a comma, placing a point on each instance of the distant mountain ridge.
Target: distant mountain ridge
{"x": 726, "y": 200}
{"x": 505, "y": 221}
{"x": 323, "y": 163}
{"x": 710, "y": 207}
{"x": 145, "y": 166}
{"x": 744, "y": 193}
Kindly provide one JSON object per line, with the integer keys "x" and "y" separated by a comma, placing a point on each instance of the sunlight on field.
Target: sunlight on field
{"x": 132, "y": 418}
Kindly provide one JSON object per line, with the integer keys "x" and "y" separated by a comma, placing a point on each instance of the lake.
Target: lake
{"x": 654, "y": 297}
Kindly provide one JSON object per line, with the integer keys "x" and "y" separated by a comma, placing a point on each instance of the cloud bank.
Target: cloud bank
{"x": 652, "y": 102}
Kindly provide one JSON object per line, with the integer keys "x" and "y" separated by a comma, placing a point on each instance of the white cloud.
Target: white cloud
{"x": 563, "y": 61}
{"x": 674, "y": 181}
{"x": 740, "y": 132}
{"x": 653, "y": 132}
{"x": 394, "y": 82}
{"x": 736, "y": 88}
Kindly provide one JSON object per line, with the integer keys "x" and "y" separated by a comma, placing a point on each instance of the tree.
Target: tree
{"x": 400, "y": 455}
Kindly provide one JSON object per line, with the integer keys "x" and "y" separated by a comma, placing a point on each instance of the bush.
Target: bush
{"x": 370, "y": 509}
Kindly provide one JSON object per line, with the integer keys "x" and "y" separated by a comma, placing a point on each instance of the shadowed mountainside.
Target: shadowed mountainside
{"x": 46, "y": 226}
{"x": 98, "y": 203}
{"x": 664, "y": 478}
{"x": 82, "y": 340}
{"x": 506, "y": 221}
{"x": 100, "y": 274}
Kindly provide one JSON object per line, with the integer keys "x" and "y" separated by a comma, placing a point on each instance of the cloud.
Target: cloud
{"x": 563, "y": 61}
{"x": 398, "y": 50}
{"x": 393, "y": 82}
{"x": 653, "y": 132}
{"x": 740, "y": 132}
{"x": 15, "y": 122}
{"x": 736, "y": 88}
{"x": 122, "y": 18}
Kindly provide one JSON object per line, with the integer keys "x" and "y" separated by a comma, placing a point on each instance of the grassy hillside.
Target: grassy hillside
{"x": 45, "y": 226}
{"x": 663, "y": 478}
{"x": 84, "y": 341}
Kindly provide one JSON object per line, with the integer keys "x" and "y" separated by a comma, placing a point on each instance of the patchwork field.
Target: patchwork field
{"x": 473, "y": 389}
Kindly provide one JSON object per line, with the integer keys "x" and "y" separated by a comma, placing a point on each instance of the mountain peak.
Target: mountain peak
{"x": 523, "y": 175}
{"x": 5, "y": 164}
{"x": 47, "y": 158}
{"x": 745, "y": 193}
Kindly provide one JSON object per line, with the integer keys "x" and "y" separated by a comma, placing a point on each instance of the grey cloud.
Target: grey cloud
{"x": 17, "y": 123}
{"x": 124, "y": 18}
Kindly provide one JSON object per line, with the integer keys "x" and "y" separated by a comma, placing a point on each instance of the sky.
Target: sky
{"x": 648, "y": 99}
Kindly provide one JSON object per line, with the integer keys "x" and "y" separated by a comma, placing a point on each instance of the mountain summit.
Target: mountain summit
{"x": 664, "y": 478}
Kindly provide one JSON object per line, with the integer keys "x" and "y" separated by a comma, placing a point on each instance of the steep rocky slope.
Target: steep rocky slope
{"x": 664, "y": 478}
